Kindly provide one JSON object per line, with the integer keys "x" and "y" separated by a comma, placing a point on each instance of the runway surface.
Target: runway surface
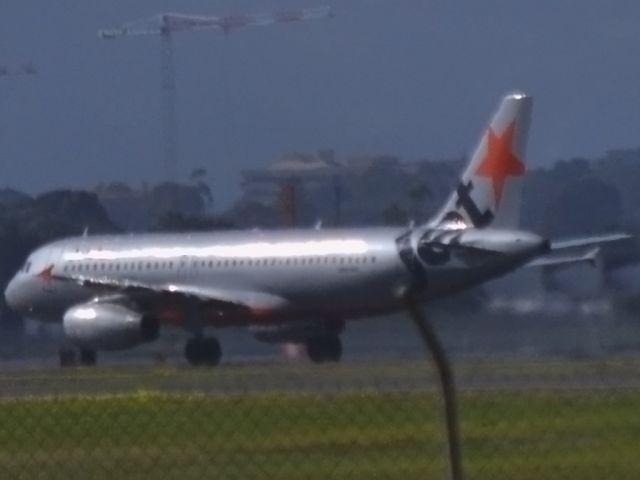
{"x": 410, "y": 374}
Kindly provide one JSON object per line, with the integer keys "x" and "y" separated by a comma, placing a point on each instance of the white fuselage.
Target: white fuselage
{"x": 283, "y": 275}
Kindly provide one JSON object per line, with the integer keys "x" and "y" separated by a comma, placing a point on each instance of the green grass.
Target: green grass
{"x": 507, "y": 434}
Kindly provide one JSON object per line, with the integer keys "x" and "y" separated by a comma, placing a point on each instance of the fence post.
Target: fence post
{"x": 447, "y": 385}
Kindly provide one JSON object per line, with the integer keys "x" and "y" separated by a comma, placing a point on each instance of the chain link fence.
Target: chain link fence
{"x": 521, "y": 416}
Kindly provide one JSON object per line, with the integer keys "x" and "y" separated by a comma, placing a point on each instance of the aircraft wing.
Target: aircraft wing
{"x": 148, "y": 295}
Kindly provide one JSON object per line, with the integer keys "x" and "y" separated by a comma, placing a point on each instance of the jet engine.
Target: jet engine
{"x": 108, "y": 326}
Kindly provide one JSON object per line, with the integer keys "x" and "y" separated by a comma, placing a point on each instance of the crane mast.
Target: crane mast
{"x": 169, "y": 108}
{"x": 166, "y": 25}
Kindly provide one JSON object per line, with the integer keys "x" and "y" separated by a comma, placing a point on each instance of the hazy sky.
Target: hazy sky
{"x": 409, "y": 77}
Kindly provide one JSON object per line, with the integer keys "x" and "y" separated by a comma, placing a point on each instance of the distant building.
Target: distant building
{"x": 302, "y": 188}
{"x": 286, "y": 183}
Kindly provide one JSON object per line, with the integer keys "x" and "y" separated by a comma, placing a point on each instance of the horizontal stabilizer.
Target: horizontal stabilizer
{"x": 572, "y": 251}
{"x": 552, "y": 260}
{"x": 588, "y": 241}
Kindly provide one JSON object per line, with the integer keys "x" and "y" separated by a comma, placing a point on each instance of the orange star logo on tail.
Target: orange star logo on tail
{"x": 500, "y": 162}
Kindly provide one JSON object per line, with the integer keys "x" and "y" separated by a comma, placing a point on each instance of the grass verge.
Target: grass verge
{"x": 506, "y": 434}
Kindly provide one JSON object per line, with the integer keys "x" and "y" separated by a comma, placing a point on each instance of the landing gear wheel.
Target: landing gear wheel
{"x": 67, "y": 357}
{"x": 203, "y": 351}
{"x": 324, "y": 349}
{"x": 88, "y": 358}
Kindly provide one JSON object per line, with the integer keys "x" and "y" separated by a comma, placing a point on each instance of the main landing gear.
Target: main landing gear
{"x": 204, "y": 351}
{"x": 325, "y": 348}
{"x": 86, "y": 357}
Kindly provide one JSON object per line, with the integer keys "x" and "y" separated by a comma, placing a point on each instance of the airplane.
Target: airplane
{"x": 115, "y": 292}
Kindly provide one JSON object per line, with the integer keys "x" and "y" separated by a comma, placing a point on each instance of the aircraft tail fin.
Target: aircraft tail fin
{"x": 490, "y": 189}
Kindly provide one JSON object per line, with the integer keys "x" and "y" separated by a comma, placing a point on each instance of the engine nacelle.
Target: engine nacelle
{"x": 108, "y": 326}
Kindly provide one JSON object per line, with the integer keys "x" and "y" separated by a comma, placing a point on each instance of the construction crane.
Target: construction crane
{"x": 166, "y": 25}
